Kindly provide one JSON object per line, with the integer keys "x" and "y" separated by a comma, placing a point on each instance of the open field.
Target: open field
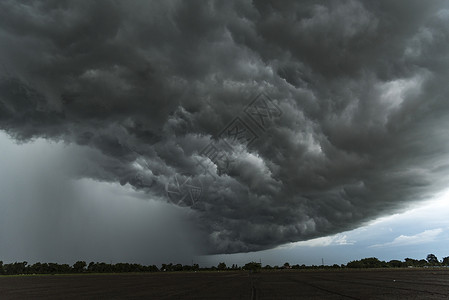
{"x": 285, "y": 284}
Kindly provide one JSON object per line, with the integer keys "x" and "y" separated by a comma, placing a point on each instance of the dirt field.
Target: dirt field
{"x": 285, "y": 284}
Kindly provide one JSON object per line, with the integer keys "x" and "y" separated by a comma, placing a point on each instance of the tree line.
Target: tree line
{"x": 18, "y": 268}
{"x": 78, "y": 267}
{"x": 372, "y": 262}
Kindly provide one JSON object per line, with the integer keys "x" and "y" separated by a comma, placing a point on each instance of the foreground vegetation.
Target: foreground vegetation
{"x": 17, "y": 268}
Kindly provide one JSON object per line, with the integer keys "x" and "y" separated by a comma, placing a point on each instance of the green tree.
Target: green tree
{"x": 15, "y": 268}
{"x": 395, "y": 263}
{"x": 153, "y": 268}
{"x": 79, "y": 266}
{"x": 296, "y": 266}
{"x": 335, "y": 266}
{"x": 432, "y": 259}
{"x": 166, "y": 267}
{"x": 445, "y": 261}
{"x": 221, "y": 266}
{"x": 252, "y": 266}
{"x": 371, "y": 262}
{"x": 410, "y": 262}
{"x": 355, "y": 264}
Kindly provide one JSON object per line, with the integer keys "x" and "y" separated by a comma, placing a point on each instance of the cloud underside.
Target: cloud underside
{"x": 361, "y": 88}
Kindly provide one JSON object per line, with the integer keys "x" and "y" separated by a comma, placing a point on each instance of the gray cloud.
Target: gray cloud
{"x": 361, "y": 87}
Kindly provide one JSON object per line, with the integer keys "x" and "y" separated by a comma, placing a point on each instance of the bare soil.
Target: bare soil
{"x": 284, "y": 284}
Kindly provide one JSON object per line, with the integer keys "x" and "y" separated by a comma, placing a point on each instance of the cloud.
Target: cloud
{"x": 357, "y": 98}
{"x": 335, "y": 240}
{"x": 407, "y": 240}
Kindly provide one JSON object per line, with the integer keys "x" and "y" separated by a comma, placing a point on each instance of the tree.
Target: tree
{"x": 286, "y": 265}
{"x": 92, "y": 267}
{"x": 79, "y": 266}
{"x": 252, "y": 266}
{"x": 395, "y": 263}
{"x": 371, "y": 262}
{"x": 166, "y": 267}
{"x": 445, "y": 261}
{"x": 335, "y": 266}
{"x": 195, "y": 267}
{"x": 432, "y": 259}
{"x": 410, "y": 262}
{"x": 422, "y": 262}
{"x": 221, "y": 266}
{"x": 295, "y": 266}
{"x": 15, "y": 268}
{"x": 355, "y": 264}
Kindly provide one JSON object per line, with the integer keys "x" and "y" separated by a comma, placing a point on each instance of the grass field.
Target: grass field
{"x": 285, "y": 284}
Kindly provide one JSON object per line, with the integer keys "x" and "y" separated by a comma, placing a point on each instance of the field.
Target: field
{"x": 284, "y": 284}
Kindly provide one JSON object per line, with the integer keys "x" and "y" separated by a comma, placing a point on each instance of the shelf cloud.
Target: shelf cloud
{"x": 272, "y": 122}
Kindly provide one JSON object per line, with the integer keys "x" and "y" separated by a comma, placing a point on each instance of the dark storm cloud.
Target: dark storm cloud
{"x": 361, "y": 86}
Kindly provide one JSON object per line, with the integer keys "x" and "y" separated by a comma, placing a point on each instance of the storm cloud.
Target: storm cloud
{"x": 358, "y": 90}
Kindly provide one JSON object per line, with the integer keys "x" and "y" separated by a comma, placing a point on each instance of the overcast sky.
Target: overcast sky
{"x": 155, "y": 131}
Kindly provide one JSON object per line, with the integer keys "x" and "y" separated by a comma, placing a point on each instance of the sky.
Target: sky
{"x": 205, "y": 131}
